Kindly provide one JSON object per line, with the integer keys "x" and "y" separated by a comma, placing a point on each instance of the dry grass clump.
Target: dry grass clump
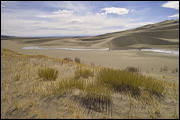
{"x": 82, "y": 72}
{"x": 77, "y": 60}
{"x": 65, "y": 86}
{"x": 165, "y": 68}
{"x": 124, "y": 81}
{"x": 175, "y": 70}
{"x": 154, "y": 86}
{"x": 68, "y": 59}
{"x": 133, "y": 69}
{"x": 96, "y": 92}
{"x": 97, "y": 97}
{"x": 47, "y": 73}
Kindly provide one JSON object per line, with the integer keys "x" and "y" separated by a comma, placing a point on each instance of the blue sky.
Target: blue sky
{"x": 81, "y": 18}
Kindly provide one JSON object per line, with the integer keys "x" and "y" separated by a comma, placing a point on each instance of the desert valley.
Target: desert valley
{"x": 127, "y": 74}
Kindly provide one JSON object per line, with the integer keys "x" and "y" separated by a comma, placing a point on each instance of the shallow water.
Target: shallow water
{"x": 162, "y": 50}
{"x": 166, "y": 51}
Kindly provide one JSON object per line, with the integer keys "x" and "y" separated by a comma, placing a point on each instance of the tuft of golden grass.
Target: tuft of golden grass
{"x": 122, "y": 80}
{"x": 65, "y": 86}
{"x": 97, "y": 97}
{"x": 47, "y": 73}
{"x": 96, "y": 92}
{"x": 82, "y": 72}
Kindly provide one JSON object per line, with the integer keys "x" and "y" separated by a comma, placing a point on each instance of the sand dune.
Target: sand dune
{"x": 160, "y": 34}
{"x": 138, "y": 38}
{"x": 156, "y": 34}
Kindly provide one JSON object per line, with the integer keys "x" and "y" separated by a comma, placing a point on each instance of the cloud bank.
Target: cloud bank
{"x": 69, "y": 18}
{"x": 172, "y": 5}
{"x": 115, "y": 10}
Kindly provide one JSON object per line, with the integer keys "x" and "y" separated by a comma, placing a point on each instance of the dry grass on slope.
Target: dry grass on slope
{"x": 75, "y": 90}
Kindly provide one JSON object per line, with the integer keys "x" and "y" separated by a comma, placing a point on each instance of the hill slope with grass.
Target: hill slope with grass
{"x": 37, "y": 86}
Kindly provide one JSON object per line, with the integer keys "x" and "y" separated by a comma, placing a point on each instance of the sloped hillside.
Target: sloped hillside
{"x": 37, "y": 86}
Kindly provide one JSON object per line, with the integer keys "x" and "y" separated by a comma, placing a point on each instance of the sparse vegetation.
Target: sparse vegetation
{"x": 77, "y": 60}
{"x": 165, "y": 68}
{"x": 92, "y": 64}
{"x": 133, "y": 69}
{"x": 68, "y": 59}
{"x": 122, "y": 80}
{"x": 97, "y": 97}
{"x": 66, "y": 86}
{"x": 87, "y": 89}
{"x": 47, "y": 73}
{"x": 82, "y": 72}
{"x": 175, "y": 70}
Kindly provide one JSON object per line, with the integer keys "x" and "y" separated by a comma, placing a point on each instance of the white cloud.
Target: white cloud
{"x": 63, "y": 12}
{"x": 115, "y": 10}
{"x": 88, "y": 24}
{"x": 176, "y": 15}
{"x": 69, "y": 5}
{"x": 56, "y": 14}
{"x": 171, "y": 4}
{"x": 65, "y": 21}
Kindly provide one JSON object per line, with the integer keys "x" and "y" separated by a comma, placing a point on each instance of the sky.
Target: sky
{"x": 81, "y": 18}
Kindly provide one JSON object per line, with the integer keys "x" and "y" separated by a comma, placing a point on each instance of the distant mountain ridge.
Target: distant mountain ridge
{"x": 6, "y": 36}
